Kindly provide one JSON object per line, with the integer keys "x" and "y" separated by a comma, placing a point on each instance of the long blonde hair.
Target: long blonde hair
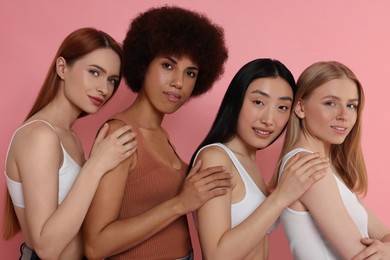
{"x": 75, "y": 46}
{"x": 347, "y": 158}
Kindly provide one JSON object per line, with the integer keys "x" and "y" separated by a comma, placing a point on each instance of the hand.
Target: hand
{"x": 298, "y": 176}
{"x": 109, "y": 151}
{"x": 376, "y": 249}
{"x": 200, "y": 186}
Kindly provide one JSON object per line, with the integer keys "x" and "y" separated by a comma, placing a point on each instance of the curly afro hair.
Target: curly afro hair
{"x": 170, "y": 30}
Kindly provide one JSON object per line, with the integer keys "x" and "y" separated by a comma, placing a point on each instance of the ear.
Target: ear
{"x": 299, "y": 109}
{"x": 61, "y": 67}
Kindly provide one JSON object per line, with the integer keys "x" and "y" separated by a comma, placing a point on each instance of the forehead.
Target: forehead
{"x": 103, "y": 57}
{"x": 273, "y": 87}
{"x": 185, "y": 60}
{"x": 342, "y": 88}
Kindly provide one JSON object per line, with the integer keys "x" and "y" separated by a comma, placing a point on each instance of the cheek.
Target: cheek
{"x": 281, "y": 121}
{"x": 188, "y": 88}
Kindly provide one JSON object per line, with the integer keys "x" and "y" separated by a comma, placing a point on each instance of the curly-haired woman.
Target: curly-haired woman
{"x": 139, "y": 211}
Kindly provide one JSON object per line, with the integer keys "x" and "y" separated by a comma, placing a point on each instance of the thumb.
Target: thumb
{"x": 366, "y": 241}
{"x": 102, "y": 133}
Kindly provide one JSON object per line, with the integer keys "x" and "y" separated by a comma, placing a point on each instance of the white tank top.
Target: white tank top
{"x": 253, "y": 195}
{"x": 305, "y": 239}
{"x": 67, "y": 174}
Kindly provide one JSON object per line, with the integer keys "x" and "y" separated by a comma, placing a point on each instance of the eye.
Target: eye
{"x": 353, "y": 106}
{"x": 284, "y": 108}
{"x": 94, "y": 72}
{"x": 258, "y": 102}
{"x": 329, "y": 103}
{"x": 192, "y": 74}
{"x": 167, "y": 65}
{"x": 113, "y": 82}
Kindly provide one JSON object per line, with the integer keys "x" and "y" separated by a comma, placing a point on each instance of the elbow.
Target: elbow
{"x": 47, "y": 252}
{"x": 91, "y": 251}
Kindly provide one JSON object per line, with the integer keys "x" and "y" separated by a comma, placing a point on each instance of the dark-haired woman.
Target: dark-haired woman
{"x": 139, "y": 211}
{"x": 253, "y": 114}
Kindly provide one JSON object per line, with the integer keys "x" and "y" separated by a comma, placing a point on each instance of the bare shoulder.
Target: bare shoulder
{"x": 214, "y": 155}
{"x": 115, "y": 124}
{"x": 301, "y": 154}
{"x": 36, "y": 134}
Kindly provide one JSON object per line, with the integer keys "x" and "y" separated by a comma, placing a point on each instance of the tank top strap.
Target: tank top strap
{"x": 288, "y": 156}
{"x": 26, "y": 124}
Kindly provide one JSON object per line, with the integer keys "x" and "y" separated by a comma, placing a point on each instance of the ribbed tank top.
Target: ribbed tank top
{"x": 150, "y": 183}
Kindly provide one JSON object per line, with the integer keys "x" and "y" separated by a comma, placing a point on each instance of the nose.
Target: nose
{"x": 177, "y": 79}
{"x": 102, "y": 88}
{"x": 267, "y": 117}
{"x": 342, "y": 114}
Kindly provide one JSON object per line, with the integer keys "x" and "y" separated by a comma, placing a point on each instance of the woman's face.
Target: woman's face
{"x": 169, "y": 82}
{"x": 329, "y": 113}
{"x": 265, "y": 111}
{"x": 90, "y": 81}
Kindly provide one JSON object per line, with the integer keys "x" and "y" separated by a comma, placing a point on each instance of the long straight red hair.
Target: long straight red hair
{"x": 76, "y": 45}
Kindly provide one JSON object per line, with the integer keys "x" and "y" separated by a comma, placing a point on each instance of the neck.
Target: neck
{"x": 59, "y": 113}
{"x": 313, "y": 144}
{"x": 237, "y": 145}
{"x": 146, "y": 116}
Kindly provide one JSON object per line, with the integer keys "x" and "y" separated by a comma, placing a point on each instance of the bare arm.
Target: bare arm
{"x": 106, "y": 235}
{"x": 218, "y": 239}
{"x": 39, "y": 156}
{"x": 324, "y": 203}
{"x": 378, "y": 245}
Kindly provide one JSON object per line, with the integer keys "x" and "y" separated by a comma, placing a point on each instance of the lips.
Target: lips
{"x": 265, "y": 133}
{"x": 173, "y": 97}
{"x": 96, "y": 101}
{"x": 340, "y": 130}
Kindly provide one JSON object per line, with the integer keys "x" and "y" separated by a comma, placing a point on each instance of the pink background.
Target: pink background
{"x": 355, "y": 32}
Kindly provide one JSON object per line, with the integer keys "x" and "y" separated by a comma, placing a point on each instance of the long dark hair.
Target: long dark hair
{"x": 224, "y": 127}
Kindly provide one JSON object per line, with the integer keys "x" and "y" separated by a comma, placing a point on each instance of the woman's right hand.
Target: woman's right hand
{"x": 299, "y": 174}
{"x": 109, "y": 151}
{"x": 203, "y": 185}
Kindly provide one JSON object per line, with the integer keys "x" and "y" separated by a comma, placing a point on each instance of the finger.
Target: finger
{"x": 195, "y": 168}
{"x": 127, "y": 137}
{"x": 130, "y": 152}
{"x": 216, "y": 193}
{"x": 130, "y": 145}
{"x": 120, "y": 131}
{"x": 302, "y": 160}
{"x": 217, "y": 176}
{"x": 314, "y": 165}
{"x": 102, "y": 133}
{"x": 314, "y": 168}
{"x": 216, "y": 184}
{"x": 210, "y": 171}
{"x": 366, "y": 241}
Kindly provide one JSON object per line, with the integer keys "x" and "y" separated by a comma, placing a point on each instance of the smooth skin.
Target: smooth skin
{"x": 264, "y": 113}
{"x": 52, "y": 230}
{"x": 329, "y": 114}
{"x": 168, "y": 84}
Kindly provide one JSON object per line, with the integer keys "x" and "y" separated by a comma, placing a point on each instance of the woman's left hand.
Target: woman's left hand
{"x": 376, "y": 249}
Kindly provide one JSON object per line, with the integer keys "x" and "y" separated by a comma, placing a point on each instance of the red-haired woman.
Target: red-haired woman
{"x": 50, "y": 185}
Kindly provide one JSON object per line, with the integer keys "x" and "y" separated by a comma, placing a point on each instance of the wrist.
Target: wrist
{"x": 178, "y": 206}
{"x": 278, "y": 199}
{"x": 93, "y": 168}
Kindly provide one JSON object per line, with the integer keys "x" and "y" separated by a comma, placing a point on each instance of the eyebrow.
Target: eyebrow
{"x": 334, "y": 97}
{"x": 98, "y": 67}
{"x": 256, "y": 91}
{"x": 175, "y": 61}
{"x": 102, "y": 69}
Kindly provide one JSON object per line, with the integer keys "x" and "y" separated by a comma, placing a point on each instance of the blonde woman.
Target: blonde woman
{"x": 330, "y": 220}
